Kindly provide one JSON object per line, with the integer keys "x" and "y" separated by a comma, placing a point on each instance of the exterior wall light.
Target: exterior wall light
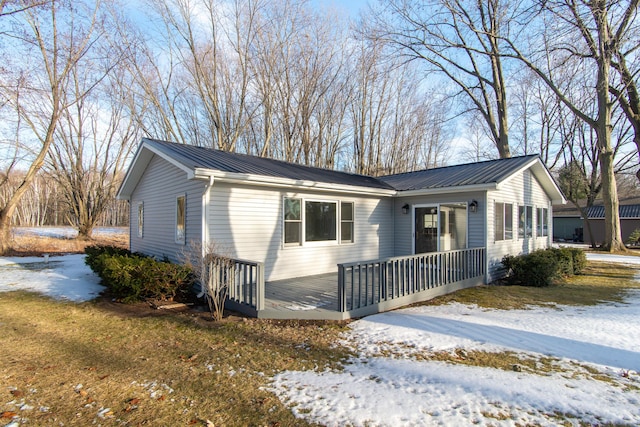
{"x": 405, "y": 209}
{"x": 473, "y": 206}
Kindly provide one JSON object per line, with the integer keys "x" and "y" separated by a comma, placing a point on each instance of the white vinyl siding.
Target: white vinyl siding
{"x": 257, "y": 234}
{"x": 525, "y": 193}
{"x": 403, "y": 223}
{"x": 159, "y": 187}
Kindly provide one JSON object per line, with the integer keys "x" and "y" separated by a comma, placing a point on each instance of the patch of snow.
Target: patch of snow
{"x": 66, "y": 232}
{"x": 62, "y": 277}
{"x": 403, "y": 390}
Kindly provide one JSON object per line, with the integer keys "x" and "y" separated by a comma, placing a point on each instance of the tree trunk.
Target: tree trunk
{"x": 612, "y": 233}
{"x": 5, "y": 232}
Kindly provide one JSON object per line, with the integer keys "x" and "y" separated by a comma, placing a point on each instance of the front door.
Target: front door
{"x": 426, "y": 229}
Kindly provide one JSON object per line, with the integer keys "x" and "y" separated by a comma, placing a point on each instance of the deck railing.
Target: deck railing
{"x": 365, "y": 283}
{"x": 244, "y": 279}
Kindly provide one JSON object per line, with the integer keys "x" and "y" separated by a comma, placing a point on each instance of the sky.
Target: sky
{"x": 387, "y": 383}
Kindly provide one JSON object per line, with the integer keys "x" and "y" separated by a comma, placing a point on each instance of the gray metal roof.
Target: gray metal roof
{"x": 206, "y": 158}
{"x": 626, "y": 211}
{"x": 487, "y": 172}
{"x": 491, "y": 171}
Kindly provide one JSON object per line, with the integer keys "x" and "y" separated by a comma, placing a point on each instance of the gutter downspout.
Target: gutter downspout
{"x": 206, "y": 198}
{"x": 204, "y": 238}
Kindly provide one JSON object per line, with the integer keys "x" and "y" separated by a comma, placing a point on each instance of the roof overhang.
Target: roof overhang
{"x": 447, "y": 190}
{"x": 141, "y": 159}
{"x": 145, "y": 153}
{"x": 269, "y": 181}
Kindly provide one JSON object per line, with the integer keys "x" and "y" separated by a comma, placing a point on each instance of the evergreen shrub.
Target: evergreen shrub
{"x": 133, "y": 277}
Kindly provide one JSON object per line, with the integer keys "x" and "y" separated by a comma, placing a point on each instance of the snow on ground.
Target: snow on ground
{"x": 62, "y": 277}
{"x": 373, "y": 390}
{"x": 387, "y": 391}
{"x": 66, "y": 232}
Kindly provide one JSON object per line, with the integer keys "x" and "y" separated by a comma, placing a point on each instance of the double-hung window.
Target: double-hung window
{"x": 525, "y": 221}
{"x": 542, "y": 228}
{"x": 503, "y": 221}
{"x": 292, "y": 221}
{"x": 346, "y": 222}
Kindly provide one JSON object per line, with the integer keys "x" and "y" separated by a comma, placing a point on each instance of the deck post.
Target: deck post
{"x": 260, "y": 286}
{"x": 342, "y": 294}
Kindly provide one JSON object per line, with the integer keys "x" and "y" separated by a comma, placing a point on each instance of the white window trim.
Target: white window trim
{"x": 303, "y": 241}
{"x": 181, "y": 240}
{"x": 300, "y": 222}
{"x": 353, "y": 222}
{"x": 504, "y": 221}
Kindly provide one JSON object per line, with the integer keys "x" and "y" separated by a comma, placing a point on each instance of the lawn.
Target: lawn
{"x": 494, "y": 355}
{"x": 78, "y": 364}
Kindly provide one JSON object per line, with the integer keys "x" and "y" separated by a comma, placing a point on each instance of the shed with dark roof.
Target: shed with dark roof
{"x": 629, "y": 222}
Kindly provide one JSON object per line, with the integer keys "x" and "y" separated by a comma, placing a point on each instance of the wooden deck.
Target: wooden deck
{"x": 309, "y": 297}
{"x": 357, "y": 289}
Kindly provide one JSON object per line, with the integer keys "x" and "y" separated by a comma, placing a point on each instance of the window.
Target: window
{"x": 317, "y": 221}
{"x": 538, "y": 222}
{"x": 140, "y": 218}
{"x": 499, "y": 222}
{"x": 181, "y": 218}
{"x": 292, "y": 221}
{"x": 525, "y": 221}
{"x": 346, "y": 222}
{"x": 503, "y": 221}
{"x": 508, "y": 221}
{"x": 542, "y": 227}
{"x": 320, "y": 221}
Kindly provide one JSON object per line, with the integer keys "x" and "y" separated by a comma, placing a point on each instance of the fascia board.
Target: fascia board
{"x": 268, "y": 181}
{"x": 139, "y": 163}
{"x": 447, "y": 190}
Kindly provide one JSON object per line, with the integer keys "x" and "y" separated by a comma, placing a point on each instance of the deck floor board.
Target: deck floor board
{"x": 297, "y": 297}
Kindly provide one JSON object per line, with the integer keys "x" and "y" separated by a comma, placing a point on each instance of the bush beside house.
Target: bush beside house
{"x": 544, "y": 267}
{"x": 134, "y": 277}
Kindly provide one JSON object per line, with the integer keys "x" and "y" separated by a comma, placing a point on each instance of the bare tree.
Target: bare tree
{"x": 627, "y": 92}
{"x": 93, "y": 141}
{"x": 460, "y": 40}
{"x": 54, "y": 37}
{"x": 586, "y": 33}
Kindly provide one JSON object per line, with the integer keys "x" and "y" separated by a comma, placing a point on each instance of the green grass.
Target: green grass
{"x": 80, "y": 364}
{"x": 75, "y": 361}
